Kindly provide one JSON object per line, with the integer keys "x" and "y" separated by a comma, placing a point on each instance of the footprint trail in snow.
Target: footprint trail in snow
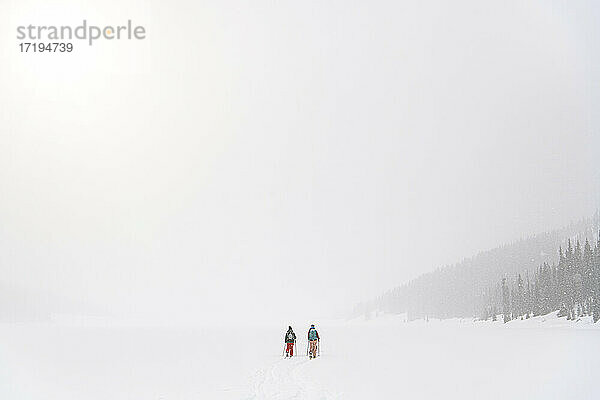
{"x": 286, "y": 379}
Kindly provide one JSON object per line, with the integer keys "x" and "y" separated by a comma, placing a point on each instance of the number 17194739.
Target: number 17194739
{"x": 46, "y": 47}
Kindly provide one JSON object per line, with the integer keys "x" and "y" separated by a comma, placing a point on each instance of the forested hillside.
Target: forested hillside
{"x": 496, "y": 280}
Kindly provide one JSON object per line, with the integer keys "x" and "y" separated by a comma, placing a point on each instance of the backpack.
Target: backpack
{"x": 312, "y": 334}
{"x": 290, "y": 336}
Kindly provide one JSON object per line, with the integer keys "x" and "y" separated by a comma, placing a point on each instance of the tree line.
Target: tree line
{"x": 571, "y": 286}
{"x": 524, "y": 278}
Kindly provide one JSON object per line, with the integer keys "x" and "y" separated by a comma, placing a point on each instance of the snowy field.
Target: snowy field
{"x": 385, "y": 358}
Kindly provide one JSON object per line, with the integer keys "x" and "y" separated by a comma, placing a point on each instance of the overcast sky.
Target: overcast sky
{"x": 252, "y": 157}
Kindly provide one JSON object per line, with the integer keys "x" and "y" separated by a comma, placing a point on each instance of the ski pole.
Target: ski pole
{"x": 319, "y": 347}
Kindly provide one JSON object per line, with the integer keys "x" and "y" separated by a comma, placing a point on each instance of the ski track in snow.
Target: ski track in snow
{"x": 285, "y": 379}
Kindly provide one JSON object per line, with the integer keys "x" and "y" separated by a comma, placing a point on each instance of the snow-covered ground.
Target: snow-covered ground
{"x": 384, "y": 358}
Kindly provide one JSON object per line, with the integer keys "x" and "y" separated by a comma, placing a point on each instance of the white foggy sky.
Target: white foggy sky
{"x": 249, "y": 157}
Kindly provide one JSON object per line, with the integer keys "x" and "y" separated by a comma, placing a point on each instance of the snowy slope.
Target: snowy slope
{"x": 541, "y": 358}
{"x": 385, "y": 358}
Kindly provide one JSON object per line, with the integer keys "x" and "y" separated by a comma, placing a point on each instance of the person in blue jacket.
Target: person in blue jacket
{"x": 313, "y": 341}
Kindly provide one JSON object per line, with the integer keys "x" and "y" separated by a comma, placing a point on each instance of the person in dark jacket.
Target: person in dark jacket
{"x": 290, "y": 340}
{"x": 313, "y": 341}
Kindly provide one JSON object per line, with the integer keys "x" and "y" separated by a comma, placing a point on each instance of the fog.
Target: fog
{"x": 280, "y": 160}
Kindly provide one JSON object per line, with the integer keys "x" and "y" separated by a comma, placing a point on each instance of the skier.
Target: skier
{"x": 313, "y": 340}
{"x": 290, "y": 340}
